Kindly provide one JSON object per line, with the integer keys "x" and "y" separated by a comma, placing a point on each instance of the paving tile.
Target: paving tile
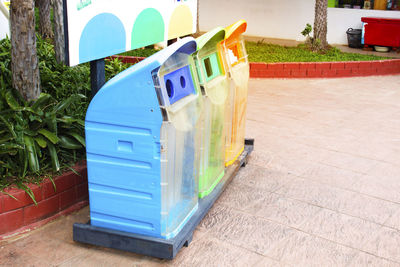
{"x": 106, "y": 257}
{"x": 61, "y": 228}
{"x": 383, "y": 169}
{"x": 380, "y": 186}
{"x": 349, "y": 162}
{"x": 262, "y": 178}
{"x": 14, "y": 256}
{"x": 348, "y": 202}
{"x": 212, "y": 252}
{"x": 341, "y": 228}
{"x": 301, "y": 249}
{"x": 285, "y": 211}
{"x": 241, "y": 196}
{"x": 268, "y": 262}
{"x": 333, "y": 176}
{"x": 365, "y": 259}
{"x": 215, "y": 216}
{"x": 36, "y": 245}
{"x": 245, "y": 230}
{"x": 364, "y": 147}
{"x": 385, "y": 243}
{"x": 394, "y": 221}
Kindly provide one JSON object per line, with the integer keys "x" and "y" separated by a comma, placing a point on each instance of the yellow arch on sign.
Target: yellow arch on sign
{"x": 181, "y": 22}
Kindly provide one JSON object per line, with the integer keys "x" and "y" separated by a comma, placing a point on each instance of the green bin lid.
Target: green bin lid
{"x": 214, "y": 36}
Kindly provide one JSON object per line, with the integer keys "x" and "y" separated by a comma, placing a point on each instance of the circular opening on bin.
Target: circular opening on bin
{"x": 170, "y": 88}
{"x": 183, "y": 82}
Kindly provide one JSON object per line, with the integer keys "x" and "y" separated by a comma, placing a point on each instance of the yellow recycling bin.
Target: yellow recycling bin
{"x": 235, "y": 58}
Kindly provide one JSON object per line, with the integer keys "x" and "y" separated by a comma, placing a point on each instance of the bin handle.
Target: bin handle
{"x": 349, "y": 30}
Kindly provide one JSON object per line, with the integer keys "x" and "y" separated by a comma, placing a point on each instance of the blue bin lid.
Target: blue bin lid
{"x": 185, "y": 45}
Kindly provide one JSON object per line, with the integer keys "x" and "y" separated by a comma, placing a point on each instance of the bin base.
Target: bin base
{"x": 157, "y": 247}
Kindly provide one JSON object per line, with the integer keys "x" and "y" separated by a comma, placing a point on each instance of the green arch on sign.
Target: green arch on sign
{"x": 148, "y": 28}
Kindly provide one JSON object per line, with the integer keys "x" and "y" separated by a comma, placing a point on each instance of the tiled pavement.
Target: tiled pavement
{"x": 322, "y": 187}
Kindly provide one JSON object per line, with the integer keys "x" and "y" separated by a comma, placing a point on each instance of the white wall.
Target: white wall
{"x": 282, "y": 19}
{"x": 4, "y": 26}
{"x": 267, "y": 18}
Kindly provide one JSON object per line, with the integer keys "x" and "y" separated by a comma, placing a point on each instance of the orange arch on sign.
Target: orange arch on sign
{"x": 181, "y": 22}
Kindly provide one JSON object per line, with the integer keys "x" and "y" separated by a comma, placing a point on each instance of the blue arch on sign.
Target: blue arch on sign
{"x": 103, "y": 36}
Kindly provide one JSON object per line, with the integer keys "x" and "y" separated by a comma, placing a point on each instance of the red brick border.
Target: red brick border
{"x": 17, "y": 215}
{"x": 324, "y": 69}
{"x": 312, "y": 69}
{"x": 128, "y": 59}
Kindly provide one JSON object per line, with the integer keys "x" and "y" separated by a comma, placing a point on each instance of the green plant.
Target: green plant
{"x": 48, "y": 134}
{"x": 275, "y": 53}
{"x": 113, "y": 67}
{"x": 307, "y": 30}
{"x": 314, "y": 44}
{"x": 43, "y": 135}
{"x": 259, "y": 42}
{"x": 34, "y": 134}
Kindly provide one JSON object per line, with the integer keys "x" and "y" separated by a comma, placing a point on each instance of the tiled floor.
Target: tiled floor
{"x": 322, "y": 187}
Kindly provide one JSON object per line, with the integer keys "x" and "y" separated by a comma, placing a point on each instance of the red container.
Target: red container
{"x": 381, "y": 31}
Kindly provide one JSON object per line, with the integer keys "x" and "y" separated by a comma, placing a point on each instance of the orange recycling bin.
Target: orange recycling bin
{"x": 235, "y": 58}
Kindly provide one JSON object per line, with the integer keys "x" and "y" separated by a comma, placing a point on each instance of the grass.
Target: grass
{"x": 270, "y": 53}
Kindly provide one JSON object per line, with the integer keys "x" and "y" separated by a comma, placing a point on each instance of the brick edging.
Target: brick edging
{"x": 128, "y": 59}
{"x": 311, "y": 69}
{"x": 16, "y": 215}
{"x": 324, "y": 69}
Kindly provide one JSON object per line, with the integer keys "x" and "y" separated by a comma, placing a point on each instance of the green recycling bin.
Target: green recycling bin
{"x": 214, "y": 84}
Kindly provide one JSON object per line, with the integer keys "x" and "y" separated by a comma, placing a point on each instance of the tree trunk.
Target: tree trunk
{"x": 45, "y": 28}
{"x": 59, "y": 41}
{"x": 198, "y": 17}
{"x": 321, "y": 22}
{"x": 24, "y": 60}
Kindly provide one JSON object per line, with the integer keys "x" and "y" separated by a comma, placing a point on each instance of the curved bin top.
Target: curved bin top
{"x": 214, "y": 36}
{"x": 235, "y": 29}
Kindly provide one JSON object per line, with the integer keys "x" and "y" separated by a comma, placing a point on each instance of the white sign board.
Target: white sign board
{"x": 4, "y": 19}
{"x": 101, "y": 28}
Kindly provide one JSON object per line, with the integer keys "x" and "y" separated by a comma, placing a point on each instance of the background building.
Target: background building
{"x": 284, "y": 19}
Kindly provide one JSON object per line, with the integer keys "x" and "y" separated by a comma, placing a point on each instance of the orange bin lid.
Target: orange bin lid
{"x": 235, "y": 29}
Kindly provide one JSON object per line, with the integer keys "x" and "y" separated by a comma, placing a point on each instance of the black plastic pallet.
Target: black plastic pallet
{"x": 157, "y": 247}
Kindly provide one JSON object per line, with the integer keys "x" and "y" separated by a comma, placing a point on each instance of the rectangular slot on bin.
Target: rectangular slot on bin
{"x": 211, "y": 67}
{"x": 207, "y": 64}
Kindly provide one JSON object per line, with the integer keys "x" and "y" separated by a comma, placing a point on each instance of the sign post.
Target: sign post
{"x": 97, "y": 75}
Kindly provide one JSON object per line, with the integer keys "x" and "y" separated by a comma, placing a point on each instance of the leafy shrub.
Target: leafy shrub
{"x": 311, "y": 42}
{"x": 45, "y": 135}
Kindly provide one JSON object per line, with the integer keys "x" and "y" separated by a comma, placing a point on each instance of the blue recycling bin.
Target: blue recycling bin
{"x": 142, "y": 142}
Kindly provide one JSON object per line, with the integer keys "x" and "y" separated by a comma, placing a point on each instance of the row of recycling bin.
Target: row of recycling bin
{"x": 160, "y": 134}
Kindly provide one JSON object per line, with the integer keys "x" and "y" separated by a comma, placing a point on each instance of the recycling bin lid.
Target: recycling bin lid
{"x": 235, "y": 29}
{"x": 216, "y": 35}
{"x": 381, "y": 20}
{"x": 186, "y": 45}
